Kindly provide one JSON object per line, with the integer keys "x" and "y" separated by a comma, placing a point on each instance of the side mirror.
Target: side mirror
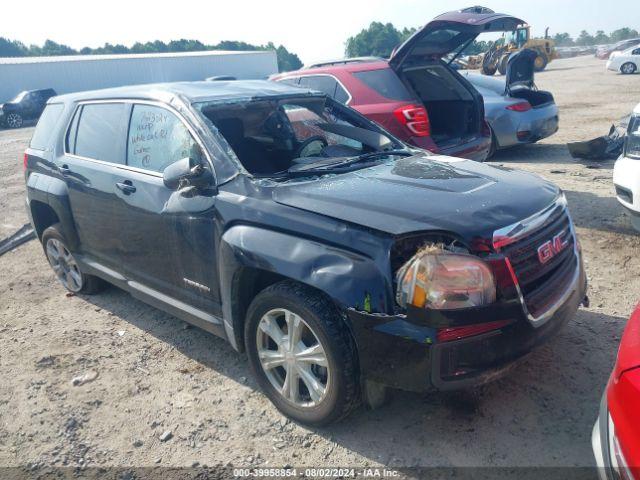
{"x": 186, "y": 172}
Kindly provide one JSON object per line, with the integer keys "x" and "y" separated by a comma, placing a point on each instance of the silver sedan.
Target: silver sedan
{"x": 516, "y": 115}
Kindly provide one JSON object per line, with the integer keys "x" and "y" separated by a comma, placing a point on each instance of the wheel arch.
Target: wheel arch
{"x": 43, "y": 216}
{"x": 49, "y": 199}
{"x": 253, "y": 258}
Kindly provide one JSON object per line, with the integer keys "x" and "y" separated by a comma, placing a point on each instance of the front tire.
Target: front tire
{"x": 628, "y": 68}
{"x": 302, "y": 354}
{"x": 14, "y": 120}
{"x": 65, "y": 266}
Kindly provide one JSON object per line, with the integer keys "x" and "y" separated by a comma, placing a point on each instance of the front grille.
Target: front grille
{"x": 542, "y": 284}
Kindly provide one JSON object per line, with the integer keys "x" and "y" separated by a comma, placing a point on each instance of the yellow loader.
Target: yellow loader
{"x": 498, "y": 54}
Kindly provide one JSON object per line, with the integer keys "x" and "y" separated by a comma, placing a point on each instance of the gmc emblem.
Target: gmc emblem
{"x": 550, "y": 249}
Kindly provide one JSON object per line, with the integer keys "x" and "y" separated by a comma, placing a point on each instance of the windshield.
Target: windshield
{"x": 271, "y": 136}
{"x": 19, "y": 97}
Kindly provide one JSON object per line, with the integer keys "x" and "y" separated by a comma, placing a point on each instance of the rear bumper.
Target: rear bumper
{"x": 473, "y": 149}
{"x": 516, "y": 128}
{"x": 402, "y": 351}
{"x": 476, "y": 149}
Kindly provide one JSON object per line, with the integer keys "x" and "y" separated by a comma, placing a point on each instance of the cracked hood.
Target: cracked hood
{"x": 424, "y": 193}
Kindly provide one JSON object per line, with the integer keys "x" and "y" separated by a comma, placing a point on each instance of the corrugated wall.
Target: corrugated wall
{"x": 94, "y": 72}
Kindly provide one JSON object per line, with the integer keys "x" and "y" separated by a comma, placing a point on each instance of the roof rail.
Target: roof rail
{"x": 344, "y": 61}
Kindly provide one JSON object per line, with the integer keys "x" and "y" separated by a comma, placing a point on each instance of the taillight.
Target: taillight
{"x": 520, "y": 107}
{"x": 415, "y": 118}
{"x": 25, "y": 161}
{"x": 457, "y": 333}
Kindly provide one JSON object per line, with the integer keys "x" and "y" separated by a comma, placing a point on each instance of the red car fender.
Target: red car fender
{"x": 623, "y": 393}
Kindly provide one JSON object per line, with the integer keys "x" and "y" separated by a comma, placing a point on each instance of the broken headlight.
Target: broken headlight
{"x": 438, "y": 279}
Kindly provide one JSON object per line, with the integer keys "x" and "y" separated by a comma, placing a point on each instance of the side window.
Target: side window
{"x": 99, "y": 132}
{"x": 341, "y": 95}
{"x": 290, "y": 80}
{"x": 158, "y": 138}
{"x": 322, "y": 83}
{"x": 46, "y": 127}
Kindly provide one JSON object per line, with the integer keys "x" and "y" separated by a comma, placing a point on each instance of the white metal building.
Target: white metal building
{"x": 68, "y": 74}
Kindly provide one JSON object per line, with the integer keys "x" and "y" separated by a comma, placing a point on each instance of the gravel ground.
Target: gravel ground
{"x": 157, "y": 375}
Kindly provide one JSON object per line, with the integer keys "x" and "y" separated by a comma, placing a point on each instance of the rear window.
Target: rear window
{"x": 386, "y": 83}
{"x": 100, "y": 132}
{"x": 46, "y": 126}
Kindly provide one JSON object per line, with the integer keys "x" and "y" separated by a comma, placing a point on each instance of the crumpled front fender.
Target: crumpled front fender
{"x": 350, "y": 279}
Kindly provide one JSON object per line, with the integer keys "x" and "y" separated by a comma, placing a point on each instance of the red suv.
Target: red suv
{"x": 415, "y": 94}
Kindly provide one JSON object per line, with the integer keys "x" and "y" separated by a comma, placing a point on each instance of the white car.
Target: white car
{"x": 626, "y": 172}
{"x": 626, "y": 62}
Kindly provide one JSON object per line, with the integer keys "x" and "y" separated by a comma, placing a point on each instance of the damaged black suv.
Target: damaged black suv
{"x": 340, "y": 259}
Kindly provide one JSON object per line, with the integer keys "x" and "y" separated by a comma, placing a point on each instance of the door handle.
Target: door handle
{"x": 126, "y": 187}
{"x": 64, "y": 169}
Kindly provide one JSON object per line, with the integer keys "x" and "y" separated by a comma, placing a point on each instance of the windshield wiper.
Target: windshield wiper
{"x": 385, "y": 153}
{"x": 324, "y": 165}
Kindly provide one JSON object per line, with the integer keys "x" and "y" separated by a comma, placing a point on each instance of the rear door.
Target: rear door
{"x": 94, "y": 148}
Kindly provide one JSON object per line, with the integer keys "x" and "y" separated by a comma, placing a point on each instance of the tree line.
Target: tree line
{"x": 379, "y": 39}
{"x": 13, "y": 48}
{"x": 585, "y": 39}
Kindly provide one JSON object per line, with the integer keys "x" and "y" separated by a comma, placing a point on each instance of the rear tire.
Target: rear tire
{"x": 502, "y": 65}
{"x": 65, "y": 265}
{"x": 540, "y": 63}
{"x": 628, "y": 68}
{"x": 489, "y": 70}
{"x": 326, "y": 387}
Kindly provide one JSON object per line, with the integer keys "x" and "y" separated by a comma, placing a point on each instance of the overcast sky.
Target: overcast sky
{"x": 315, "y": 30}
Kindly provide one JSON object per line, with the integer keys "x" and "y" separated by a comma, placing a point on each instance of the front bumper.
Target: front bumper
{"x": 402, "y": 351}
{"x": 600, "y": 442}
{"x": 626, "y": 178}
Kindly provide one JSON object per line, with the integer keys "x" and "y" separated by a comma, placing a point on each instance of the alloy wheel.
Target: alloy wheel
{"x": 14, "y": 120}
{"x": 293, "y": 358}
{"x": 64, "y": 265}
{"x": 628, "y": 68}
